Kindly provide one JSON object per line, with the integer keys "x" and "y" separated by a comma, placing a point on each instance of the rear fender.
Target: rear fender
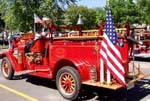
{"x": 12, "y": 59}
{"x": 81, "y": 65}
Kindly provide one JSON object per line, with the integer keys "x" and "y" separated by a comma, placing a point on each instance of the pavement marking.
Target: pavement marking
{"x": 18, "y": 93}
{"x": 146, "y": 85}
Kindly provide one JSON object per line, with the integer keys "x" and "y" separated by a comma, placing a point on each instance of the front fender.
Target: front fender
{"x": 12, "y": 59}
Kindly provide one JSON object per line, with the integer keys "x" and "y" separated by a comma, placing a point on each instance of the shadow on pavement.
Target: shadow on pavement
{"x": 137, "y": 93}
{"x": 41, "y": 81}
{"x": 141, "y": 90}
{"x": 20, "y": 77}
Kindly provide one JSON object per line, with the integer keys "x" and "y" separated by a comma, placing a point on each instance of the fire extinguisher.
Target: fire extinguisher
{"x": 20, "y": 61}
{"x": 93, "y": 74}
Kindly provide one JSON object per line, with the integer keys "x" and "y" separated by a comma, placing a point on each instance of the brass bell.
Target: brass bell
{"x": 80, "y": 21}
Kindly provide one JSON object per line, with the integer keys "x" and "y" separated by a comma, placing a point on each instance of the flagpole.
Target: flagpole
{"x": 108, "y": 72}
{"x": 101, "y": 71}
{"x": 108, "y": 77}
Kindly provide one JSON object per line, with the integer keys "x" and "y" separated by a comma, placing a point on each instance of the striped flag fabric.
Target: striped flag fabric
{"x": 37, "y": 19}
{"x": 109, "y": 52}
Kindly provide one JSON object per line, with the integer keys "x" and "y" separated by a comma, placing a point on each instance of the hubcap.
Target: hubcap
{"x": 67, "y": 83}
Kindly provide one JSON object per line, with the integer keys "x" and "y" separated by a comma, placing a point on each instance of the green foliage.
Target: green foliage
{"x": 125, "y": 11}
{"x": 18, "y": 14}
{"x": 100, "y": 15}
{"x": 144, "y": 9}
{"x": 88, "y": 16}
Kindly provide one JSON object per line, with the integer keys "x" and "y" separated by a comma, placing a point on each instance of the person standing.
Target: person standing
{"x": 10, "y": 39}
{"x": 4, "y": 37}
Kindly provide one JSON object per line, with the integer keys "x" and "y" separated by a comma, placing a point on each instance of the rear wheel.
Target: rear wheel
{"x": 68, "y": 82}
{"x": 6, "y": 68}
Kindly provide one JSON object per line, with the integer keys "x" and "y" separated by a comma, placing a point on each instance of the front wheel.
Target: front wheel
{"x": 6, "y": 69}
{"x": 68, "y": 82}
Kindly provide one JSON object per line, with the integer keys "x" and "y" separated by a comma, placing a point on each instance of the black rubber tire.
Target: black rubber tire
{"x": 74, "y": 74}
{"x": 10, "y": 72}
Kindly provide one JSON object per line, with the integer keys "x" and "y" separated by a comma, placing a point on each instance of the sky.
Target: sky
{"x": 92, "y": 3}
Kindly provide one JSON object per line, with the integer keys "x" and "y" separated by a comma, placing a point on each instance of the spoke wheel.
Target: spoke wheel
{"x": 6, "y": 69}
{"x": 68, "y": 82}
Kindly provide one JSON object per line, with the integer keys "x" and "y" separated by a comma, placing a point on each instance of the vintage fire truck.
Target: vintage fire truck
{"x": 142, "y": 34}
{"x": 69, "y": 56}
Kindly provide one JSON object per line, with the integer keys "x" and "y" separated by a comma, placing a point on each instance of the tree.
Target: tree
{"x": 18, "y": 14}
{"x": 88, "y": 16}
{"x": 55, "y": 9}
{"x": 2, "y": 24}
{"x": 125, "y": 11}
{"x": 144, "y": 9}
{"x": 100, "y": 15}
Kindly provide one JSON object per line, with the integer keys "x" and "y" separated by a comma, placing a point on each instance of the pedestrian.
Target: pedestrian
{"x": 5, "y": 36}
{"x": 10, "y": 38}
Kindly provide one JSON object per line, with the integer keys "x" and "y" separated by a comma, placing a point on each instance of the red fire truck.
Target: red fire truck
{"x": 69, "y": 56}
{"x": 142, "y": 34}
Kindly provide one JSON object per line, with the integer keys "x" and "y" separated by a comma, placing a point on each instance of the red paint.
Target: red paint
{"x": 80, "y": 53}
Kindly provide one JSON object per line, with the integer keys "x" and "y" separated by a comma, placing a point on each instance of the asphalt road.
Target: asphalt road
{"x": 28, "y": 88}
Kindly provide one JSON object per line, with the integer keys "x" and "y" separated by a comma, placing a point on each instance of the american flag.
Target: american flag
{"x": 37, "y": 19}
{"x": 109, "y": 51}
